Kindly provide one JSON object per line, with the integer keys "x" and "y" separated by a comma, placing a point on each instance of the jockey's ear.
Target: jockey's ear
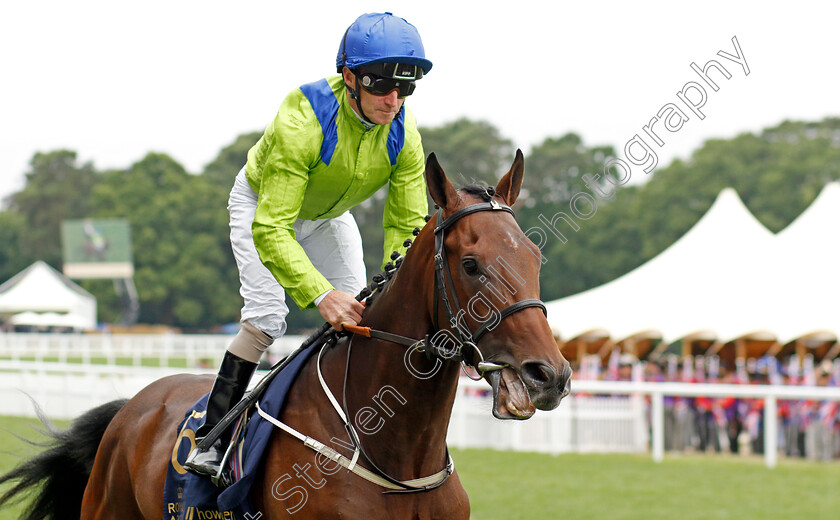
{"x": 509, "y": 185}
{"x": 441, "y": 190}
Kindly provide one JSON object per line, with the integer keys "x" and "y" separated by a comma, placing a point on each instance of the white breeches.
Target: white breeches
{"x": 334, "y": 246}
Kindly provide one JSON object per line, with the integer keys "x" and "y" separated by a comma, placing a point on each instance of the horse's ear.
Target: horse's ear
{"x": 509, "y": 185}
{"x": 441, "y": 190}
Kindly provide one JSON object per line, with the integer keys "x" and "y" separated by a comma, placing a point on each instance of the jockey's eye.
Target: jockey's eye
{"x": 470, "y": 266}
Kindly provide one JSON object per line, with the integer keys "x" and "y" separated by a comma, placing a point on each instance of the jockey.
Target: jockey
{"x": 332, "y": 145}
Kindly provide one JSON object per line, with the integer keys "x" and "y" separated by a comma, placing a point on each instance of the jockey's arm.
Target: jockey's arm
{"x": 407, "y": 204}
{"x": 282, "y": 187}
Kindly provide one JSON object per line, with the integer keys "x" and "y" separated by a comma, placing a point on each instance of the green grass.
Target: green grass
{"x": 510, "y": 486}
{"x": 14, "y": 450}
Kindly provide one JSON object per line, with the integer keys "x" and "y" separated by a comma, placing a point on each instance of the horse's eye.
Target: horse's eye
{"x": 470, "y": 266}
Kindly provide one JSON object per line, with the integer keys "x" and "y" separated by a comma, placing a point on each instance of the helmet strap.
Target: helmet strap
{"x": 356, "y": 95}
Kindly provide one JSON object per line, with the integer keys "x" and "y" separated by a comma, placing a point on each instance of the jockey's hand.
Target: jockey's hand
{"x": 339, "y": 307}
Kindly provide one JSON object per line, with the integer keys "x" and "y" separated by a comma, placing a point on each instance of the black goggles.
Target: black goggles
{"x": 381, "y": 86}
{"x": 382, "y": 78}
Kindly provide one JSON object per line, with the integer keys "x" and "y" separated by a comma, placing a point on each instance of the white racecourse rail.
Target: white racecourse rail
{"x": 599, "y": 416}
{"x": 580, "y": 424}
{"x": 135, "y": 349}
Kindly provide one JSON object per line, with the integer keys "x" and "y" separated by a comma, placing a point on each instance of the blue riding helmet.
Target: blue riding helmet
{"x": 376, "y": 38}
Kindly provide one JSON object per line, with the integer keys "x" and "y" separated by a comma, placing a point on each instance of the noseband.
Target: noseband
{"x": 443, "y": 273}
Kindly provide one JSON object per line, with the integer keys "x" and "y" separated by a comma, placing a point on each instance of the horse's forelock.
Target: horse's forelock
{"x": 477, "y": 190}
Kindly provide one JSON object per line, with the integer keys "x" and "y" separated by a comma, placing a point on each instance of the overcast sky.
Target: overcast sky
{"x": 186, "y": 77}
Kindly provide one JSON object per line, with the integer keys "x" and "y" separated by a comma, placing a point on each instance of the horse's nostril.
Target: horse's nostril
{"x": 538, "y": 372}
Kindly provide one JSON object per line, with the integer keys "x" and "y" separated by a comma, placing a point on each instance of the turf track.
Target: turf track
{"x": 506, "y": 485}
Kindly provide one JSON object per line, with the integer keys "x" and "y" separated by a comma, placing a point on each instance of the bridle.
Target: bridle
{"x": 442, "y": 274}
{"x": 466, "y": 336}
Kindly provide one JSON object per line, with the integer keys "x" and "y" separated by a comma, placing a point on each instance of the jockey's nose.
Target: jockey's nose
{"x": 392, "y": 98}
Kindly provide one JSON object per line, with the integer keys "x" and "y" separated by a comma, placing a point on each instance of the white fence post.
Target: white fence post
{"x": 657, "y": 418}
{"x": 86, "y": 348}
{"x": 771, "y": 436}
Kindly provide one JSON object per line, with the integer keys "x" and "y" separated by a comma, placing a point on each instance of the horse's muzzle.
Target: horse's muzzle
{"x": 546, "y": 384}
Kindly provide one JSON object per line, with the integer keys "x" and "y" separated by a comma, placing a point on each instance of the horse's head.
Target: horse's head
{"x": 494, "y": 270}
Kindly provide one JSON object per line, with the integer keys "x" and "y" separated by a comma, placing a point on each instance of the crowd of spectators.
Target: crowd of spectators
{"x": 808, "y": 429}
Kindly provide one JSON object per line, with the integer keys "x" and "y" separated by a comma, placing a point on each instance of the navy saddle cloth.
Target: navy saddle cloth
{"x": 189, "y": 497}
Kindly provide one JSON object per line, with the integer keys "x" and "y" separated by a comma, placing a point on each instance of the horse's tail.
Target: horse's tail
{"x": 59, "y": 474}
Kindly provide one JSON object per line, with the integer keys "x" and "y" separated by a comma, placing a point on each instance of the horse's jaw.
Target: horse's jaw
{"x": 515, "y": 399}
{"x": 511, "y": 399}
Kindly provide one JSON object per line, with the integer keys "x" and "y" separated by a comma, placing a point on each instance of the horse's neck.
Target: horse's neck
{"x": 405, "y": 401}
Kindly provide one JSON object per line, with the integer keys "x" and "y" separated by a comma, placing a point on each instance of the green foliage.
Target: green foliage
{"x": 555, "y": 168}
{"x": 777, "y": 174}
{"x": 184, "y": 269}
{"x": 230, "y": 160}
{"x": 13, "y": 259}
{"x": 554, "y": 172}
{"x": 57, "y": 188}
{"x": 185, "y": 272}
{"x": 469, "y": 151}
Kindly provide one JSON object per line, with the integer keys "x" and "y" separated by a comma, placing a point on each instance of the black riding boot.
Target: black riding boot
{"x": 230, "y": 386}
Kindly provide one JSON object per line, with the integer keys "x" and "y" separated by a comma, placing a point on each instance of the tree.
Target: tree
{"x": 186, "y": 275}
{"x": 469, "y": 151}
{"x": 13, "y": 257}
{"x": 184, "y": 270}
{"x": 555, "y": 169}
{"x": 554, "y": 179}
{"x": 57, "y": 188}
{"x": 230, "y": 160}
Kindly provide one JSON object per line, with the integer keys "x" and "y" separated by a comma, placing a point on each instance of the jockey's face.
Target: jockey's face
{"x": 379, "y": 109}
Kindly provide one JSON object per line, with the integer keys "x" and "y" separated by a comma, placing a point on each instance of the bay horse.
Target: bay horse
{"x": 400, "y": 400}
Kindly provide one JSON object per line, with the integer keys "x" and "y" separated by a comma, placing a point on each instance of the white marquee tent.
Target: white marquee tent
{"x": 727, "y": 277}
{"x": 809, "y": 270}
{"x": 41, "y": 296}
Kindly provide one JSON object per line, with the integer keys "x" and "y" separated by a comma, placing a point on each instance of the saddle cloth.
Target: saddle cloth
{"x": 189, "y": 497}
